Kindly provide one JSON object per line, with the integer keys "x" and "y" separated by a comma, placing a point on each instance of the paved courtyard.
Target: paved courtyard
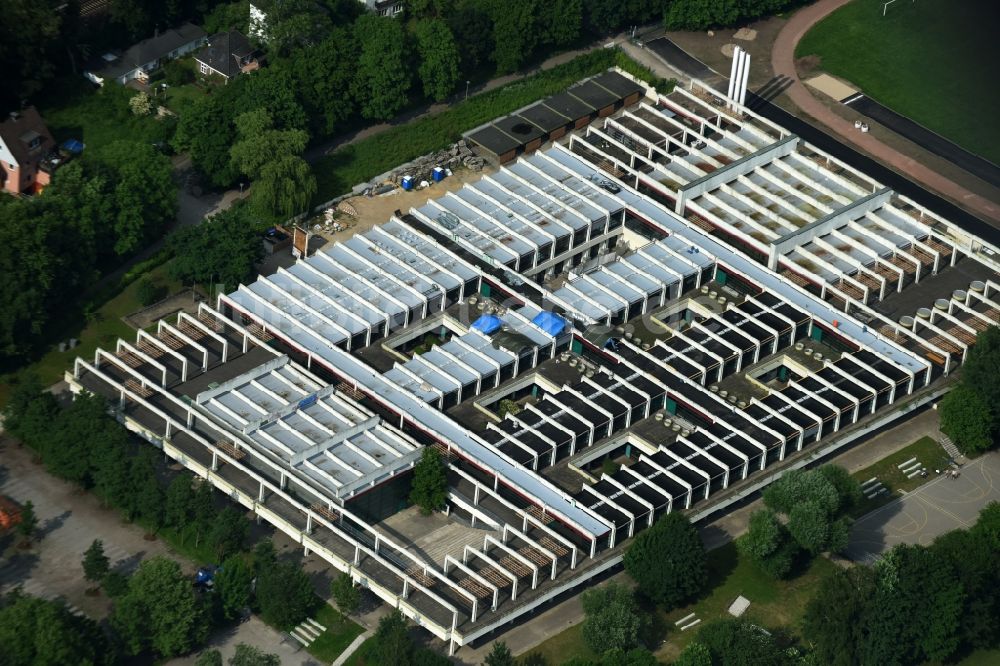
{"x": 941, "y": 505}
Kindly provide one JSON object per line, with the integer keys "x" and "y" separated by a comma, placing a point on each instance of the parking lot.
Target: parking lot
{"x": 941, "y": 505}
{"x": 69, "y": 519}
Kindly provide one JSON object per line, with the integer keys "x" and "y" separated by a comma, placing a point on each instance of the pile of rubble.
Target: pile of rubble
{"x": 458, "y": 154}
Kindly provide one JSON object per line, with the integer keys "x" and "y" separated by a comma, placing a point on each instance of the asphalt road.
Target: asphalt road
{"x": 922, "y": 136}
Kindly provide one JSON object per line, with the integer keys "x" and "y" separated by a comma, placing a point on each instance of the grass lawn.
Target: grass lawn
{"x": 102, "y": 330}
{"x": 926, "y": 450}
{"x": 358, "y": 162}
{"x": 772, "y": 604}
{"x": 338, "y": 635}
{"x": 930, "y": 60}
{"x": 982, "y": 658}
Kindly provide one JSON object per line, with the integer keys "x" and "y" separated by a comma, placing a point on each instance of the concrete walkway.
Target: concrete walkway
{"x": 783, "y": 63}
{"x": 352, "y": 648}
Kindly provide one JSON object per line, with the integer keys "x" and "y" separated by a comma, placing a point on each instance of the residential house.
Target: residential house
{"x": 146, "y": 56}
{"x": 227, "y": 55}
{"x": 27, "y": 153}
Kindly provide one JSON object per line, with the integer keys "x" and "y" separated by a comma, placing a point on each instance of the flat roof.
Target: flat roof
{"x": 569, "y": 106}
{"x": 494, "y": 140}
{"x": 544, "y": 117}
{"x": 520, "y": 128}
{"x": 618, "y": 84}
{"x": 593, "y": 94}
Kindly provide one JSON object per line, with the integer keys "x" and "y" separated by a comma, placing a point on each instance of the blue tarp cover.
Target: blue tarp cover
{"x": 74, "y": 146}
{"x": 549, "y": 322}
{"x": 487, "y": 323}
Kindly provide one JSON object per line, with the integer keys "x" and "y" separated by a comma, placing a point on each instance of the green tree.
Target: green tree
{"x": 976, "y": 562}
{"x": 160, "y": 611}
{"x": 206, "y": 132}
{"x": 429, "y": 490}
{"x": 695, "y": 654}
{"x": 499, "y": 655}
{"x": 229, "y": 532}
{"x": 261, "y": 143}
{"x": 323, "y": 78}
{"x": 115, "y": 584}
{"x": 143, "y": 192}
{"x": 668, "y": 561}
{"x": 248, "y": 655}
{"x": 737, "y": 642}
{"x": 29, "y": 32}
{"x": 768, "y": 544}
{"x": 391, "y": 643}
{"x": 285, "y": 594}
{"x": 35, "y": 631}
{"x": 981, "y": 370}
{"x": 145, "y": 494}
{"x": 178, "y": 501}
{"x": 809, "y": 525}
{"x": 835, "y": 617}
{"x": 29, "y": 521}
{"x": 514, "y": 29}
{"x": 967, "y": 420}
{"x": 382, "y": 79}
{"x": 345, "y": 594}
{"x": 232, "y": 587}
{"x": 110, "y": 465}
{"x": 221, "y": 250}
{"x": 612, "y": 619}
{"x": 560, "y": 21}
{"x": 95, "y": 563}
{"x": 917, "y": 612}
{"x": 847, "y": 487}
{"x": 473, "y": 30}
{"x": 284, "y": 189}
{"x": 202, "y": 510}
{"x": 439, "y": 58}
{"x": 797, "y": 486}
{"x": 209, "y": 658}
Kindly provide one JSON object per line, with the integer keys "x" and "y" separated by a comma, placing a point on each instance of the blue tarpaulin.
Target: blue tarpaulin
{"x": 73, "y": 146}
{"x": 549, "y": 322}
{"x": 487, "y": 323}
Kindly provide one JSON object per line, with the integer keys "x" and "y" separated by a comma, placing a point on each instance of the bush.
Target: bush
{"x": 149, "y": 292}
{"x": 177, "y": 73}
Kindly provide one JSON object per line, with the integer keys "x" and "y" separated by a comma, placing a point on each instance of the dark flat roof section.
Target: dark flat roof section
{"x": 618, "y": 84}
{"x": 596, "y": 96}
{"x": 494, "y": 140}
{"x": 568, "y": 106}
{"x": 544, "y": 117}
{"x": 519, "y": 128}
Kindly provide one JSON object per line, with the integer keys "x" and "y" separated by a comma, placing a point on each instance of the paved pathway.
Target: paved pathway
{"x": 783, "y": 63}
{"x": 68, "y": 521}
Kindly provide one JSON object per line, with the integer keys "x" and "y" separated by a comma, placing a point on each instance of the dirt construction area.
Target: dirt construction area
{"x": 372, "y": 211}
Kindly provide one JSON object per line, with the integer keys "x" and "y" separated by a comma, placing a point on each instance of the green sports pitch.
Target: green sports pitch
{"x": 934, "y": 61}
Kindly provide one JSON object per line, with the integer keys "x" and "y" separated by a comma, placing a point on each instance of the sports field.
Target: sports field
{"x": 934, "y": 61}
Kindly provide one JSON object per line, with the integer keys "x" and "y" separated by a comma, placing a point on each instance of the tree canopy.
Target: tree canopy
{"x": 222, "y": 250}
{"x": 429, "y": 489}
{"x": 612, "y": 620}
{"x": 668, "y": 561}
{"x": 36, "y": 631}
{"x": 970, "y": 414}
{"x": 161, "y": 611}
